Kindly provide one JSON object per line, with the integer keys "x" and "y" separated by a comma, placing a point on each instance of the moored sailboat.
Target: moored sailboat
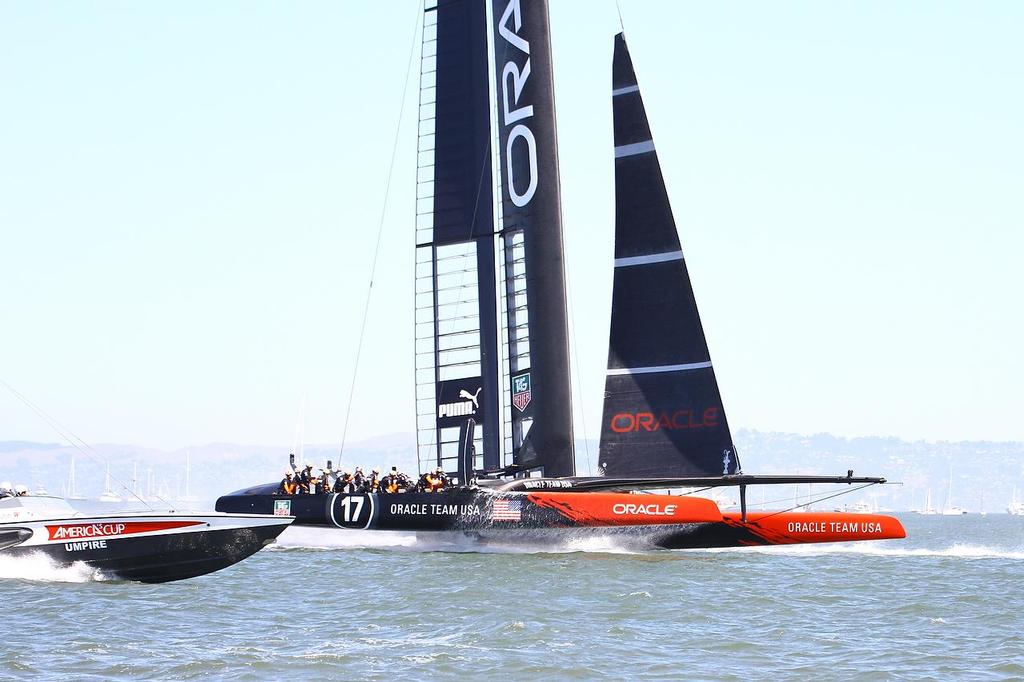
{"x": 1016, "y": 507}
{"x": 108, "y": 495}
{"x": 928, "y": 509}
{"x": 494, "y": 401}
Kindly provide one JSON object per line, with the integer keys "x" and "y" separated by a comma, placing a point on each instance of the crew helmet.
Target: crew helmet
{"x": 6, "y": 485}
{"x": 21, "y": 489}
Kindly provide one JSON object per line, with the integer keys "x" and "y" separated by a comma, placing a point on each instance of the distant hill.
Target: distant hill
{"x": 982, "y": 471}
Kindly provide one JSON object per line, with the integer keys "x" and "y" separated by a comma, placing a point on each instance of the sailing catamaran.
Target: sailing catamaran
{"x": 494, "y": 400}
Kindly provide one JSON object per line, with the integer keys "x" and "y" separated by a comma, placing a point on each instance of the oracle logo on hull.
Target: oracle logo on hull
{"x": 644, "y": 509}
{"x": 625, "y": 422}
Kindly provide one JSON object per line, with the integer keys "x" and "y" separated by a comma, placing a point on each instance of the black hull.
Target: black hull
{"x": 641, "y": 520}
{"x": 160, "y": 558}
{"x": 464, "y": 509}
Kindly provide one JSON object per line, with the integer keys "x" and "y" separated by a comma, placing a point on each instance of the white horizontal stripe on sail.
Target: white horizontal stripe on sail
{"x": 649, "y": 258}
{"x": 625, "y": 90}
{"x": 634, "y": 149}
{"x": 659, "y": 368}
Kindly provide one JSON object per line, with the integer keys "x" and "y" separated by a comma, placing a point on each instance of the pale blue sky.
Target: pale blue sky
{"x": 190, "y": 193}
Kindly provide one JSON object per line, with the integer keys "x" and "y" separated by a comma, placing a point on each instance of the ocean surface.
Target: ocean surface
{"x": 946, "y": 603}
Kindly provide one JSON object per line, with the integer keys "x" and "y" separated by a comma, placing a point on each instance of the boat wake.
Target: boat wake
{"x": 39, "y": 568}
{"x": 312, "y": 538}
{"x": 956, "y": 551}
{"x": 540, "y": 542}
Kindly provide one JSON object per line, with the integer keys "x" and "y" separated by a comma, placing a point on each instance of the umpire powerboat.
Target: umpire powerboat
{"x": 148, "y": 547}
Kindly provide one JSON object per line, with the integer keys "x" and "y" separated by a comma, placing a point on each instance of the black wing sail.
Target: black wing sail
{"x": 541, "y": 411}
{"x": 457, "y": 360}
{"x": 663, "y": 413}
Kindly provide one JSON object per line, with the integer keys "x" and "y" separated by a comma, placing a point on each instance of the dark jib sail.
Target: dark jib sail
{"x": 663, "y": 413}
{"x": 541, "y": 410}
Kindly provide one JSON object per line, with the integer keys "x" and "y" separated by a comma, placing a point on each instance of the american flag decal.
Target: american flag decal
{"x": 507, "y": 510}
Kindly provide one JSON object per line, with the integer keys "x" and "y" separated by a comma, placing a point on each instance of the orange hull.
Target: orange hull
{"x": 624, "y": 509}
{"x": 787, "y": 528}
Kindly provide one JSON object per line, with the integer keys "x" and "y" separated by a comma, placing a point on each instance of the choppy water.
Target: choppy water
{"x": 947, "y": 603}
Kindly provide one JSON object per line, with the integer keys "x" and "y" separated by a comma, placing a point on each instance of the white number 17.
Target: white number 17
{"x": 348, "y": 513}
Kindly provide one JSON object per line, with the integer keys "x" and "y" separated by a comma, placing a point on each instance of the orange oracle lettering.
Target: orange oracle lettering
{"x": 711, "y": 416}
{"x": 646, "y": 420}
{"x": 623, "y": 423}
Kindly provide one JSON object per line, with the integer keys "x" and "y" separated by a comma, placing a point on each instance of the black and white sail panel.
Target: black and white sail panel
{"x": 533, "y": 269}
{"x": 457, "y": 361}
{"x": 663, "y": 412}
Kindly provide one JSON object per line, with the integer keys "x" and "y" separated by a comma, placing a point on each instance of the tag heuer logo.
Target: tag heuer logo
{"x": 521, "y": 393}
{"x": 282, "y": 507}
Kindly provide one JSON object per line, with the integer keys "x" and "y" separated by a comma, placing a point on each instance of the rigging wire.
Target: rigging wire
{"x": 576, "y": 364}
{"x": 805, "y": 505}
{"x": 75, "y": 442}
{"x": 821, "y": 499}
{"x": 380, "y": 234}
{"x": 622, "y": 25}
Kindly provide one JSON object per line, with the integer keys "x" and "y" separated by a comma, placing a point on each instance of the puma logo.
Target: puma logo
{"x": 472, "y": 396}
{"x": 467, "y": 406}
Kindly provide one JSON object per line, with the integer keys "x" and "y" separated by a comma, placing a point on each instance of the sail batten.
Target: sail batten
{"x": 634, "y": 148}
{"x": 663, "y": 413}
{"x": 647, "y": 259}
{"x": 686, "y": 367}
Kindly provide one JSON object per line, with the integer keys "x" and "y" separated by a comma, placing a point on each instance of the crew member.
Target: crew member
{"x": 302, "y": 481}
{"x": 315, "y": 486}
{"x": 20, "y": 490}
{"x": 372, "y": 484}
{"x": 345, "y": 483}
{"x": 306, "y": 479}
{"x": 391, "y": 482}
{"x": 6, "y": 490}
{"x": 288, "y": 485}
{"x": 358, "y": 479}
{"x": 323, "y": 483}
{"x": 425, "y": 483}
{"x": 439, "y": 481}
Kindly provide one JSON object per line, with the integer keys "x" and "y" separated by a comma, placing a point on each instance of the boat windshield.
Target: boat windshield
{"x": 34, "y": 507}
